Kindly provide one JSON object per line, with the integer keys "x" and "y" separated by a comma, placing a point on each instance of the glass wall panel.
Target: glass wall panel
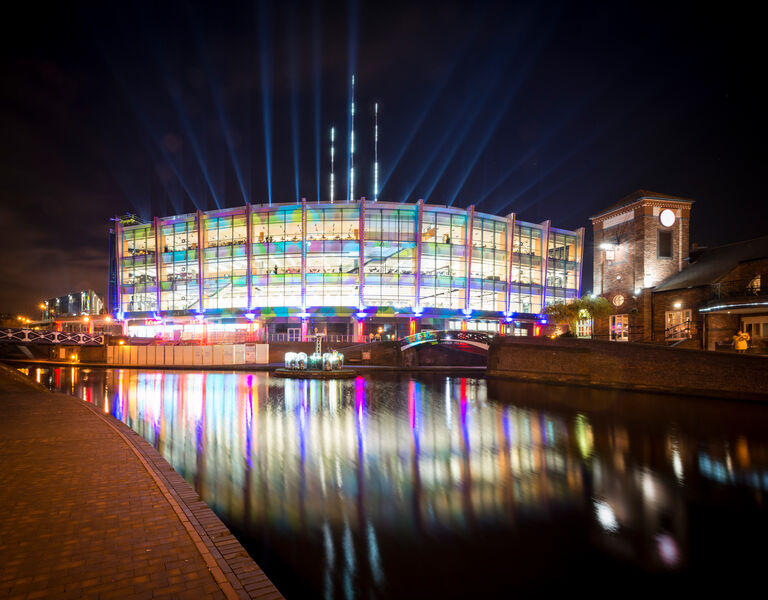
{"x": 333, "y": 255}
{"x": 225, "y": 262}
{"x": 390, "y": 257}
{"x": 488, "y": 287}
{"x": 276, "y": 260}
{"x": 443, "y": 259}
{"x": 179, "y": 285}
{"x": 138, "y": 278}
{"x": 562, "y": 267}
{"x": 525, "y": 287}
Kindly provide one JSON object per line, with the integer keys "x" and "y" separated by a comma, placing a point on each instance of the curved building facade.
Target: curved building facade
{"x": 346, "y": 269}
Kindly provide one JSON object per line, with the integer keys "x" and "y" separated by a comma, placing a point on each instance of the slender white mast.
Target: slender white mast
{"x": 352, "y": 148}
{"x": 376, "y": 152}
{"x": 333, "y": 137}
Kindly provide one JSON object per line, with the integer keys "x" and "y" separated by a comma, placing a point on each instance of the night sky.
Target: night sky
{"x": 550, "y": 110}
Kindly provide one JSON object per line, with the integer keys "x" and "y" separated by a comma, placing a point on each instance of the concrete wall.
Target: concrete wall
{"x": 630, "y": 366}
{"x": 187, "y": 356}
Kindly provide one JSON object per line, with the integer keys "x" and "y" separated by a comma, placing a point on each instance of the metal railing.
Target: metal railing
{"x": 685, "y": 330}
{"x": 736, "y": 288}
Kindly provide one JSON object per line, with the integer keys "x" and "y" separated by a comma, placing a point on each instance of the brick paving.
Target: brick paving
{"x": 88, "y": 509}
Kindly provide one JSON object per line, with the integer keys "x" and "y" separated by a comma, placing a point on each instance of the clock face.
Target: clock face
{"x": 618, "y": 300}
{"x": 667, "y": 217}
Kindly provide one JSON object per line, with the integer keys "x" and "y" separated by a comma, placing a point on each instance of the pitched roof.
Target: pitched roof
{"x": 714, "y": 263}
{"x": 637, "y": 196}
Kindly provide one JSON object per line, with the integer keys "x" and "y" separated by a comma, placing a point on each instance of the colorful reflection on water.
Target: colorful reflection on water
{"x": 403, "y": 486}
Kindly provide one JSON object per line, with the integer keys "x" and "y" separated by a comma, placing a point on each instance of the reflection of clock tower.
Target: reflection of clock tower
{"x": 639, "y": 242}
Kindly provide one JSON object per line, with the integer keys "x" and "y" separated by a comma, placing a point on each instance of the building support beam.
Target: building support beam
{"x": 119, "y": 266}
{"x": 158, "y": 258}
{"x": 468, "y": 256}
{"x": 199, "y": 222}
{"x": 510, "y": 258}
{"x": 419, "y": 235}
{"x": 545, "y": 227}
{"x": 248, "y": 252}
{"x": 361, "y": 244}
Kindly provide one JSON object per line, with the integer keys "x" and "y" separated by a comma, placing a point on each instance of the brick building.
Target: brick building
{"x": 639, "y": 242}
{"x": 661, "y": 292}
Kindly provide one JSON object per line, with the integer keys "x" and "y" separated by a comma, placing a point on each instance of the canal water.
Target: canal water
{"x": 405, "y": 486}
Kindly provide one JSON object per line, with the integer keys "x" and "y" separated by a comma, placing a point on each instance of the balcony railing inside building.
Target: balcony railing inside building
{"x": 739, "y": 288}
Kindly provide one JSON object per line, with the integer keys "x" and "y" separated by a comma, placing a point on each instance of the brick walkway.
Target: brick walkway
{"x": 90, "y": 510}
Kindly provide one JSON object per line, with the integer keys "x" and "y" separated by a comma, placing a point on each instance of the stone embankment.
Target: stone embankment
{"x": 90, "y": 510}
{"x": 630, "y": 366}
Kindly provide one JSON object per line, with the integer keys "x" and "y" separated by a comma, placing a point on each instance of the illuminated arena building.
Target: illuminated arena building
{"x": 348, "y": 270}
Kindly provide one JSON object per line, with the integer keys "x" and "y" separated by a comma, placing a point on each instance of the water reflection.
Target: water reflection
{"x": 395, "y": 487}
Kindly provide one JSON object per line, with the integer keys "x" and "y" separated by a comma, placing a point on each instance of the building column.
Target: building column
{"x": 119, "y": 266}
{"x": 510, "y": 258}
{"x": 303, "y": 254}
{"x": 468, "y": 256}
{"x": 580, "y": 258}
{"x": 361, "y": 244}
{"x": 199, "y": 221}
{"x": 158, "y": 259}
{"x": 248, "y": 252}
{"x": 544, "y": 261}
{"x": 419, "y": 225}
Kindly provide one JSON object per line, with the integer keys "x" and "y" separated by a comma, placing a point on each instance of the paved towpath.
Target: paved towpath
{"x": 88, "y": 509}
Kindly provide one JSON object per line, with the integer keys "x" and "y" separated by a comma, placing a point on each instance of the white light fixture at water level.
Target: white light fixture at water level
{"x": 667, "y": 217}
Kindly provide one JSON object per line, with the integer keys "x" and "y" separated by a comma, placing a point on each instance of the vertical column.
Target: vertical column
{"x": 419, "y": 225}
{"x": 119, "y": 265}
{"x": 200, "y": 237}
{"x": 248, "y": 253}
{"x": 361, "y": 243}
{"x": 545, "y": 226}
{"x": 303, "y": 255}
{"x": 158, "y": 258}
{"x": 468, "y": 254}
{"x": 580, "y": 258}
{"x": 510, "y": 258}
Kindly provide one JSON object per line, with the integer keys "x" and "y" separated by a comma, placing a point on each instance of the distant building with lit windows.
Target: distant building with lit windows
{"x": 661, "y": 292}
{"x": 283, "y": 271}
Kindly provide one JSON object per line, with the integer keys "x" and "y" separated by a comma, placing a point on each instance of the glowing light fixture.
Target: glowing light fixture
{"x": 249, "y": 316}
{"x": 607, "y": 246}
{"x": 678, "y": 304}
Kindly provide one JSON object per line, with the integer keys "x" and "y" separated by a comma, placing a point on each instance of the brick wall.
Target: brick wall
{"x": 630, "y": 366}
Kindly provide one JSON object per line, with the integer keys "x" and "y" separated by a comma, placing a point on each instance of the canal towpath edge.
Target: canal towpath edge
{"x": 90, "y": 509}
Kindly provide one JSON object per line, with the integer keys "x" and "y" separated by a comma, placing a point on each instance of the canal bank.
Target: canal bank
{"x": 92, "y": 510}
{"x": 629, "y": 366}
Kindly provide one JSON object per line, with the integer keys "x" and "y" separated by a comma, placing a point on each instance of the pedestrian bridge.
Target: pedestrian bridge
{"x": 477, "y": 339}
{"x": 13, "y": 335}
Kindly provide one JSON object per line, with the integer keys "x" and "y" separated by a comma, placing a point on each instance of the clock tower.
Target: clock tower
{"x": 639, "y": 242}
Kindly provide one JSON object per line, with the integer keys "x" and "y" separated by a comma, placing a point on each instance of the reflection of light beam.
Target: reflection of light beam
{"x": 605, "y": 516}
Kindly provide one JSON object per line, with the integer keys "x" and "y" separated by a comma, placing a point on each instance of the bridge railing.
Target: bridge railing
{"x": 431, "y": 336}
{"x": 12, "y": 335}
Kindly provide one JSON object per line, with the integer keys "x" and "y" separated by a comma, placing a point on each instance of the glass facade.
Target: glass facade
{"x": 301, "y": 257}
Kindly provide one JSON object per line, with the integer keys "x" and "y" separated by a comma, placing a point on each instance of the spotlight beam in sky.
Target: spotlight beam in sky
{"x": 220, "y": 113}
{"x": 317, "y": 47}
{"x": 266, "y": 92}
{"x": 294, "y": 97}
{"x": 617, "y": 116}
{"x": 352, "y": 29}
